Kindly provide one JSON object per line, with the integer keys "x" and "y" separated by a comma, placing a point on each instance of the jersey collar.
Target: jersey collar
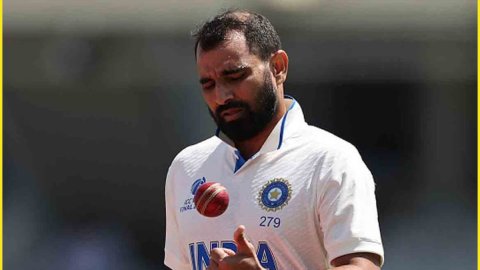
{"x": 288, "y": 125}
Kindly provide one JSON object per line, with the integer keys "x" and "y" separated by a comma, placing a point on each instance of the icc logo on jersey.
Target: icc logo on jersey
{"x": 197, "y": 184}
{"x": 188, "y": 203}
{"x": 275, "y": 194}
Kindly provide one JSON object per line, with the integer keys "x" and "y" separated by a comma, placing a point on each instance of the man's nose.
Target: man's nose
{"x": 223, "y": 95}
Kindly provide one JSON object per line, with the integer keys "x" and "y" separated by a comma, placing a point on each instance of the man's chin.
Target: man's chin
{"x": 235, "y": 130}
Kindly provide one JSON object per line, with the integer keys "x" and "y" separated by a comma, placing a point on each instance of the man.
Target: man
{"x": 304, "y": 196}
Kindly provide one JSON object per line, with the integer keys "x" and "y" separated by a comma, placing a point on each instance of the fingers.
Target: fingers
{"x": 217, "y": 255}
{"x": 238, "y": 232}
{"x": 244, "y": 258}
{"x": 243, "y": 245}
{"x": 229, "y": 251}
{"x": 212, "y": 265}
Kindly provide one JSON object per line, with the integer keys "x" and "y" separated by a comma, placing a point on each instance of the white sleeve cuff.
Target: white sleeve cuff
{"x": 356, "y": 245}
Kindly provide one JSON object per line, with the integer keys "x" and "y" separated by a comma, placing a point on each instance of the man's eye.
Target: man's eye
{"x": 208, "y": 85}
{"x": 236, "y": 76}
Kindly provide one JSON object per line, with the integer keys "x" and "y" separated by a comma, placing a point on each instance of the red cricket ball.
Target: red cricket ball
{"x": 211, "y": 199}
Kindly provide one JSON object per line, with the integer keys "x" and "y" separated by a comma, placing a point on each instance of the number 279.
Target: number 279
{"x": 269, "y": 222}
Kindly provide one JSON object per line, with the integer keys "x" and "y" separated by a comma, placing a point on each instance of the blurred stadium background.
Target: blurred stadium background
{"x": 101, "y": 95}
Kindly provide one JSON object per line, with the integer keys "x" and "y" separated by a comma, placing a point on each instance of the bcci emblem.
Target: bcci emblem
{"x": 275, "y": 194}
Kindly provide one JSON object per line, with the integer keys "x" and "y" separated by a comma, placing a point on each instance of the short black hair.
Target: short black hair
{"x": 261, "y": 37}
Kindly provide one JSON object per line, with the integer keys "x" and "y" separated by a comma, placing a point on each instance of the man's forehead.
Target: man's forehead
{"x": 231, "y": 54}
{"x": 233, "y": 39}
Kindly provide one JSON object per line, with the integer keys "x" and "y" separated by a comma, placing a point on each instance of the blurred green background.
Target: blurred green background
{"x": 101, "y": 95}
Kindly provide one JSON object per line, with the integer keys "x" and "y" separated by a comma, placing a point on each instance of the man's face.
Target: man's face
{"x": 237, "y": 87}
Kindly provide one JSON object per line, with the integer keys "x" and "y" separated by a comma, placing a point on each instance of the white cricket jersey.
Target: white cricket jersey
{"x": 305, "y": 198}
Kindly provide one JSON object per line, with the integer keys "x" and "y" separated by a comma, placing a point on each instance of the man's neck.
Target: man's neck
{"x": 251, "y": 146}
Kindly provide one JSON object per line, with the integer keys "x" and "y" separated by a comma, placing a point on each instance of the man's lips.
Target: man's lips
{"x": 231, "y": 114}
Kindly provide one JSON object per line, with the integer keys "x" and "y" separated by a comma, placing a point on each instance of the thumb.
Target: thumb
{"x": 243, "y": 245}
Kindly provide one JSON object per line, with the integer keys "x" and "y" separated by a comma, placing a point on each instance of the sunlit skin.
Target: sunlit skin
{"x": 231, "y": 72}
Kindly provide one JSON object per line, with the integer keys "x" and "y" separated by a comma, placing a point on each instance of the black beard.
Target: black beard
{"x": 251, "y": 122}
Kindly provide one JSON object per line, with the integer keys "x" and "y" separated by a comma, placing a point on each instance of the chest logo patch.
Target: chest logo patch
{"x": 188, "y": 204}
{"x": 275, "y": 194}
{"x": 197, "y": 184}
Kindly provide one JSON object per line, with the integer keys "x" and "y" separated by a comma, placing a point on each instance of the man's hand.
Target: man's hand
{"x": 244, "y": 259}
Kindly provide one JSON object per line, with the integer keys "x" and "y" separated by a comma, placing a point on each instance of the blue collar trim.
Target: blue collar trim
{"x": 283, "y": 122}
{"x": 240, "y": 161}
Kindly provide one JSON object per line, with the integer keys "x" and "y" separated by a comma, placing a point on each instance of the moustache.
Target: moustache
{"x": 231, "y": 105}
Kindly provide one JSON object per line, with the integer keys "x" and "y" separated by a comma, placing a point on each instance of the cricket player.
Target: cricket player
{"x": 300, "y": 197}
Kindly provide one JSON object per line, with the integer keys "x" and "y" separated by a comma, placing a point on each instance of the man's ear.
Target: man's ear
{"x": 279, "y": 61}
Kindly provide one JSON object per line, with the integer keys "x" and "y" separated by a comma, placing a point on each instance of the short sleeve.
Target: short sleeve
{"x": 347, "y": 207}
{"x": 175, "y": 256}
